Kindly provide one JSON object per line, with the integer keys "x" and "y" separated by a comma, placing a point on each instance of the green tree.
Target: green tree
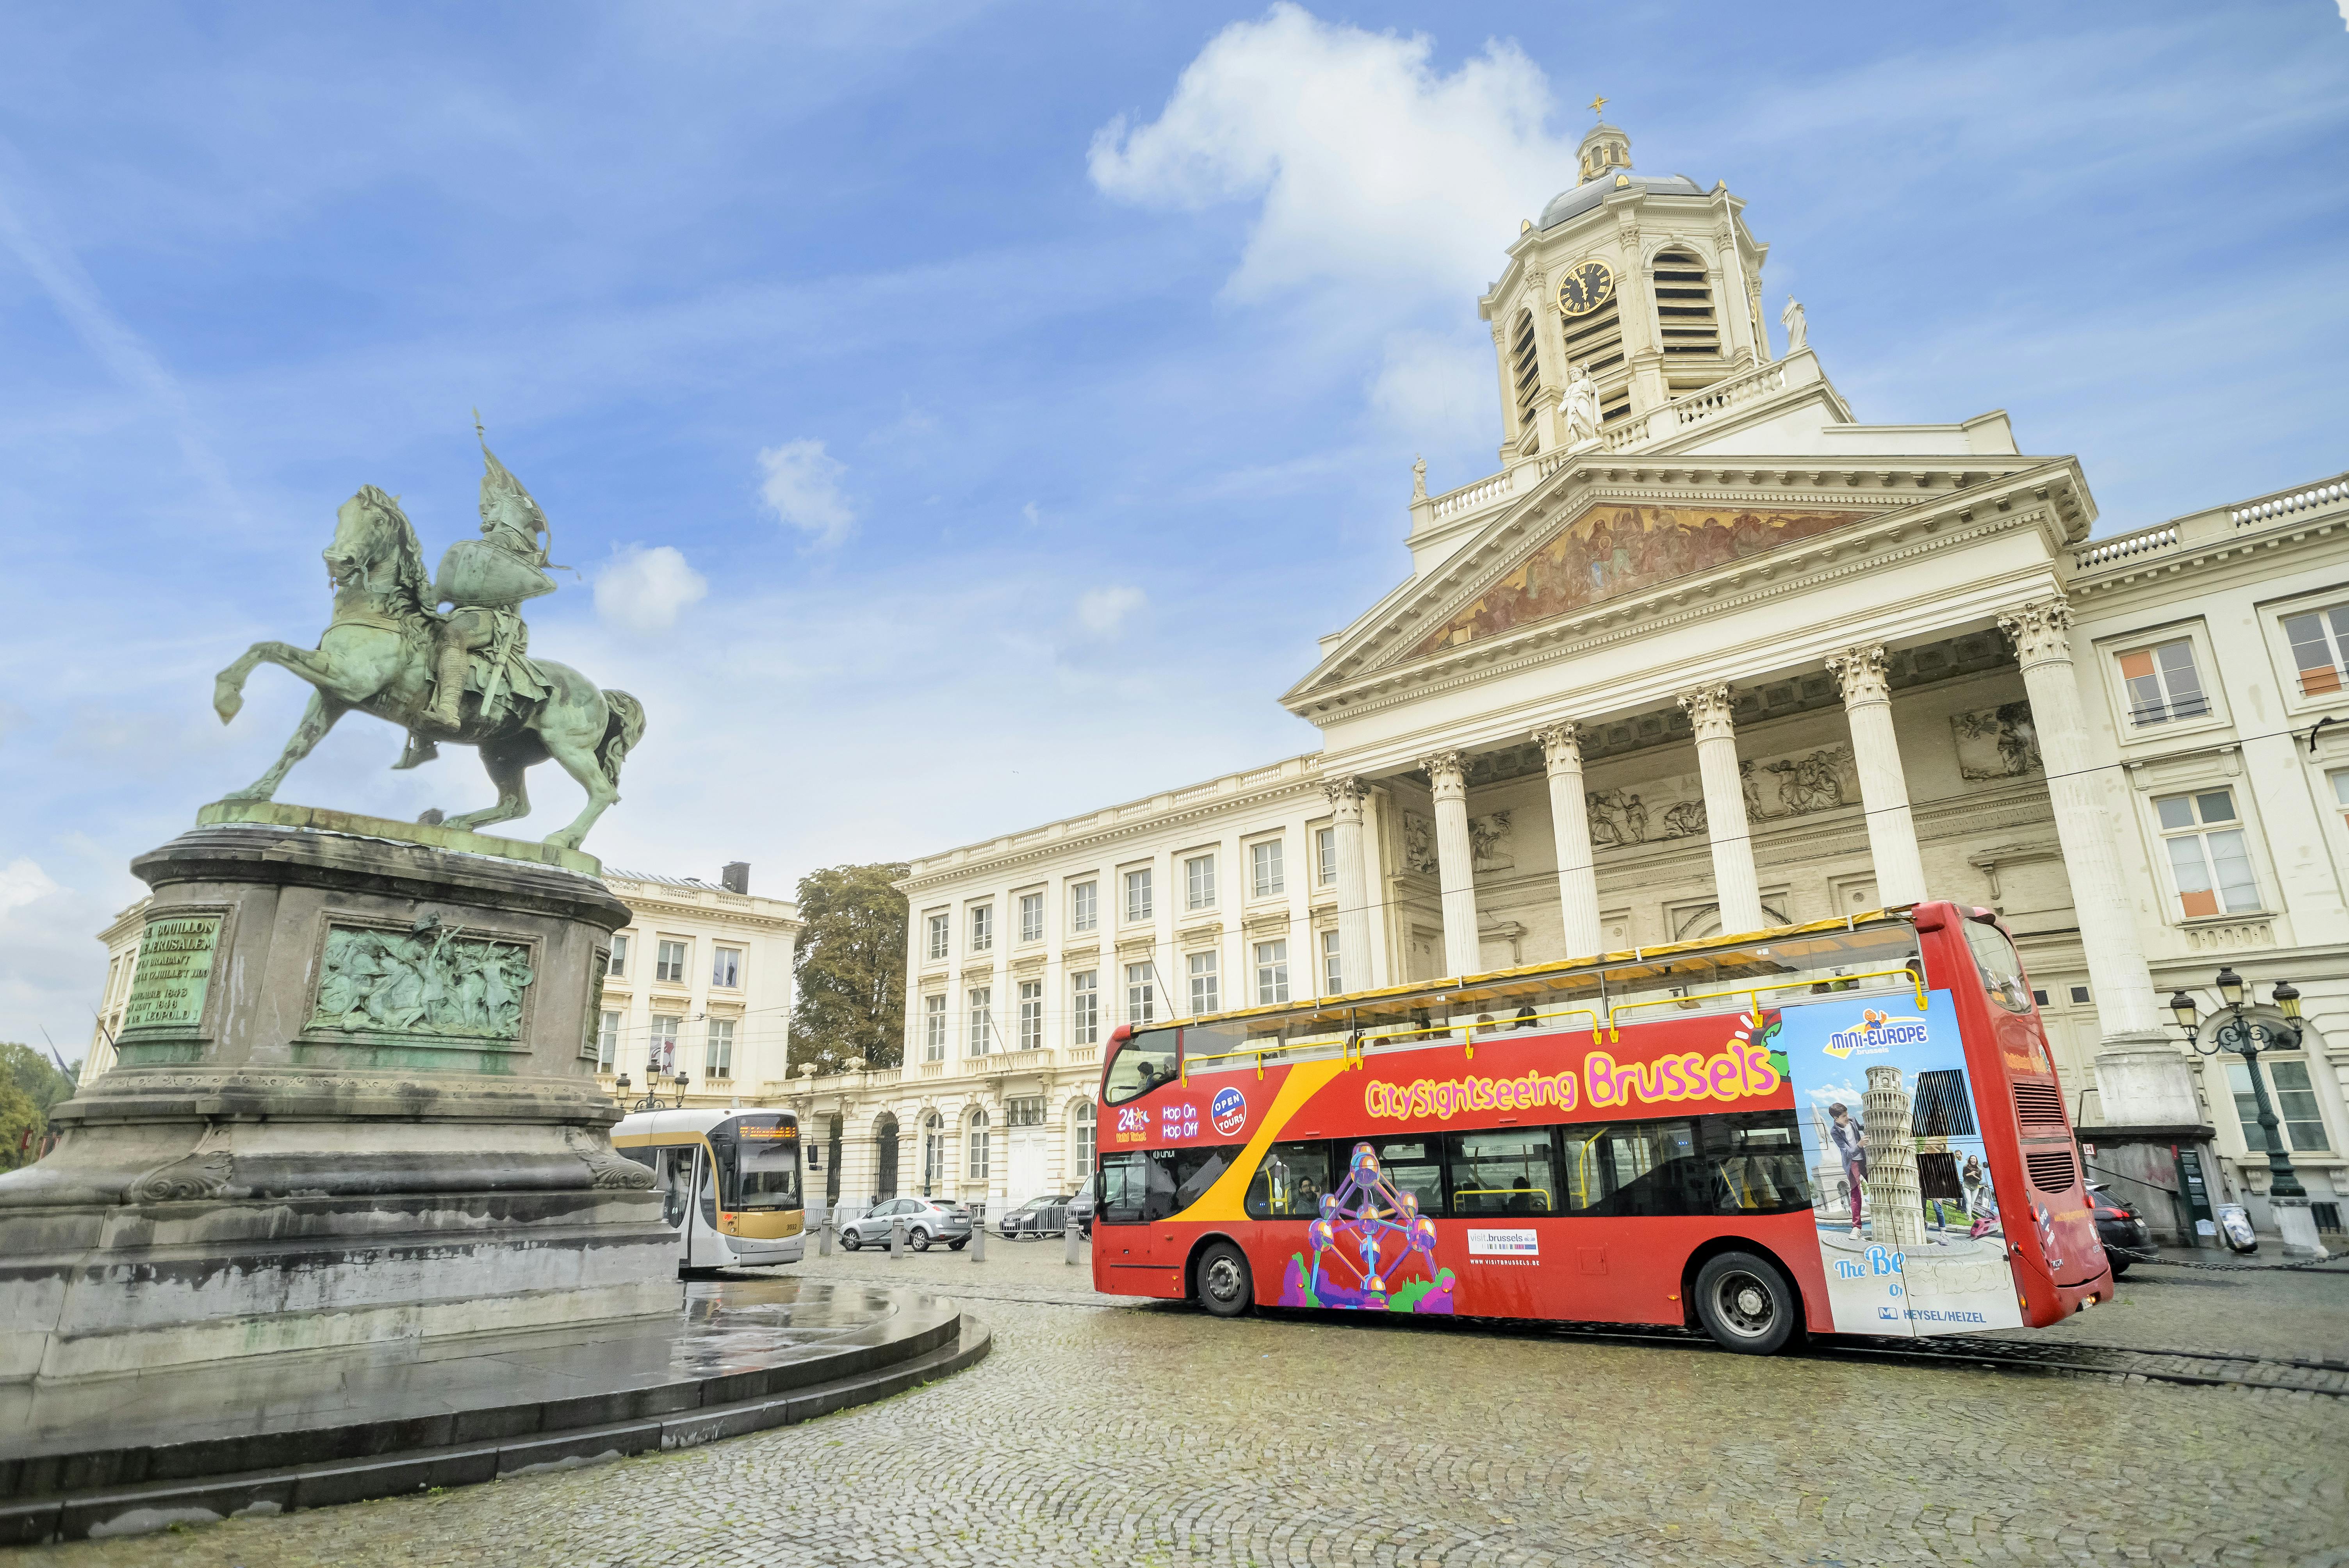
{"x": 851, "y": 968}
{"x": 30, "y": 1084}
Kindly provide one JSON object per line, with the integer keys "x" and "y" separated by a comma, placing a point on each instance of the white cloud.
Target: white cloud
{"x": 1372, "y": 167}
{"x": 803, "y": 487}
{"x": 22, "y": 881}
{"x": 645, "y": 591}
{"x": 1438, "y": 387}
{"x": 1103, "y": 611}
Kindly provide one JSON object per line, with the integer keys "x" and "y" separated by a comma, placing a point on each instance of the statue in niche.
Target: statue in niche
{"x": 1579, "y": 411}
{"x": 1418, "y": 842}
{"x": 1797, "y": 332}
{"x": 430, "y": 980}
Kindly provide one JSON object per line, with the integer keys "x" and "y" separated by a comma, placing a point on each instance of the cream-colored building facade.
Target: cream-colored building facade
{"x": 1705, "y": 652}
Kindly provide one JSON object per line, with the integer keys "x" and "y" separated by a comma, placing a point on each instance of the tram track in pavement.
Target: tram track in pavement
{"x": 2194, "y": 1368}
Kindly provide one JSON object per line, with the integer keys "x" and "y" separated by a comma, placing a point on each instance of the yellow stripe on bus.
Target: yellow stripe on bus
{"x": 1226, "y": 1201}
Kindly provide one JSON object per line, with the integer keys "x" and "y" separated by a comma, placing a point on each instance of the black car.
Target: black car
{"x": 1080, "y": 1209}
{"x": 2120, "y": 1228}
{"x": 1035, "y": 1219}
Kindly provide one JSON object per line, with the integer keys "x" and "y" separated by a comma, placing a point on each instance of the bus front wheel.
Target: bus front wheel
{"x": 1747, "y": 1304}
{"x": 1225, "y": 1287}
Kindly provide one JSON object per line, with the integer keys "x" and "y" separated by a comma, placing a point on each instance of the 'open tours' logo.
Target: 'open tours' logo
{"x": 1877, "y": 1033}
{"x": 1229, "y": 1110}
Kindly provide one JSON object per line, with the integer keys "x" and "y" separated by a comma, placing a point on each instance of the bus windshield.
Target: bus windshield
{"x": 758, "y": 1161}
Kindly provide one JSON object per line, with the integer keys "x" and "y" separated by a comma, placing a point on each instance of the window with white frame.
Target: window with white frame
{"x": 1141, "y": 995}
{"x": 726, "y": 968}
{"x": 2294, "y": 1099}
{"x": 668, "y": 962}
{"x": 1024, "y": 1110}
{"x": 2339, "y": 779}
{"x": 934, "y": 1027}
{"x": 1333, "y": 974}
{"x": 661, "y": 1055}
{"x": 718, "y": 1058}
{"x": 607, "y": 1041}
{"x": 2209, "y": 860}
{"x": 2162, "y": 683}
{"x": 982, "y": 1019}
{"x": 939, "y": 946}
{"x": 1203, "y": 983}
{"x": 1085, "y": 906}
{"x": 1031, "y": 917}
{"x": 1087, "y": 1140}
{"x": 2320, "y": 647}
{"x": 982, "y": 928}
{"x": 1031, "y": 1015}
{"x": 1137, "y": 895}
{"x": 976, "y": 1139}
{"x": 1199, "y": 881}
{"x": 616, "y": 966}
{"x": 1325, "y": 848}
{"x": 1271, "y": 973}
{"x": 1265, "y": 877}
{"x": 1084, "y": 1007}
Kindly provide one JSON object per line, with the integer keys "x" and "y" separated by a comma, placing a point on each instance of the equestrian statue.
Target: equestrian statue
{"x": 465, "y": 677}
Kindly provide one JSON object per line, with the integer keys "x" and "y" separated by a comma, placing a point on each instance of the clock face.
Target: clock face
{"x": 1587, "y": 285}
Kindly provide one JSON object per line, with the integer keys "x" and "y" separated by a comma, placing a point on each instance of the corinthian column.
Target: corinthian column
{"x": 1734, "y": 879}
{"x": 2042, "y": 635}
{"x": 1569, "y": 816}
{"x": 1353, "y": 885}
{"x": 1455, "y": 861}
{"x": 1883, "y": 787}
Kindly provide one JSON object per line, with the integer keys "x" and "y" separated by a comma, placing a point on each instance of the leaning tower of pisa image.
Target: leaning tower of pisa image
{"x": 1895, "y": 1208}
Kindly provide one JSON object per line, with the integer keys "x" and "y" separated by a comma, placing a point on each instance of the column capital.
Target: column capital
{"x": 1859, "y": 671}
{"x": 1448, "y": 772}
{"x": 1708, "y": 710}
{"x": 1345, "y": 794}
{"x": 1561, "y": 745}
{"x": 2041, "y": 631}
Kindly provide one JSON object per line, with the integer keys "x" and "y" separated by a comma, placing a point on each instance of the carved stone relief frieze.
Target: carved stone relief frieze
{"x": 432, "y": 981}
{"x": 1494, "y": 846}
{"x": 1776, "y": 787}
{"x": 1418, "y": 843}
{"x": 1999, "y": 742}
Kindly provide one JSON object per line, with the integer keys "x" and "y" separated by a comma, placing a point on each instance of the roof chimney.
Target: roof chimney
{"x": 736, "y": 877}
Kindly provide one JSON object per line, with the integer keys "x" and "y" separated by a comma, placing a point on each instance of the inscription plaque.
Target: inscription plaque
{"x": 175, "y": 967}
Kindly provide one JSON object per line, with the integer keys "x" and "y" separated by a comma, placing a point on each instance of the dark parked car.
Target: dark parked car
{"x": 1080, "y": 1209}
{"x": 1035, "y": 1219}
{"x": 2118, "y": 1226}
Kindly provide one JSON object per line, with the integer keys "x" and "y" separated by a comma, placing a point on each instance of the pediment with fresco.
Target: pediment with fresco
{"x": 1614, "y": 550}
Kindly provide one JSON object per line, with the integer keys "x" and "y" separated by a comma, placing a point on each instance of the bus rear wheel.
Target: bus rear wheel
{"x": 1747, "y": 1304}
{"x": 1225, "y": 1287}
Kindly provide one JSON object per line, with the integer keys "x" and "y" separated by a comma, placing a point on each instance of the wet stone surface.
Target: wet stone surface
{"x": 1103, "y": 1431}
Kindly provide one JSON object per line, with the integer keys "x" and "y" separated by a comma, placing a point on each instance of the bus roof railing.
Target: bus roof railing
{"x": 1631, "y": 965}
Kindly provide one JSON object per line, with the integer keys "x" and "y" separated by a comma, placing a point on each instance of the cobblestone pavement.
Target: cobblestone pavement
{"x": 1108, "y": 1431}
{"x": 2258, "y": 1311}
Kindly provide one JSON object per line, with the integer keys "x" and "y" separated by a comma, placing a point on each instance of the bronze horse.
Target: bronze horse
{"x": 376, "y": 656}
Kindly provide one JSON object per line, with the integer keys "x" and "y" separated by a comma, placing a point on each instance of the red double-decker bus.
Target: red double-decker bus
{"x": 1852, "y": 1126}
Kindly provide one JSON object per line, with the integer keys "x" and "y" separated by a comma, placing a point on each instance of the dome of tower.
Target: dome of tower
{"x": 1583, "y": 198}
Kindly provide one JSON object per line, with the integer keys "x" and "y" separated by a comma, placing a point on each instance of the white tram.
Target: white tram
{"x": 730, "y": 1182}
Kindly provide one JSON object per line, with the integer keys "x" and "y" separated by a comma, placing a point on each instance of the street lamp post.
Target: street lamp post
{"x": 2247, "y": 1037}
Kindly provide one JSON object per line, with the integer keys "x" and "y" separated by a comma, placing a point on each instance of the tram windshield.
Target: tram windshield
{"x": 759, "y": 1163}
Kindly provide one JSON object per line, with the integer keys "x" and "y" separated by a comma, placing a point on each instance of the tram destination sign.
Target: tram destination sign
{"x": 175, "y": 968}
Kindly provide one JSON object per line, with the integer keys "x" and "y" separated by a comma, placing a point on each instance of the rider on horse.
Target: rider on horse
{"x": 485, "y": 582}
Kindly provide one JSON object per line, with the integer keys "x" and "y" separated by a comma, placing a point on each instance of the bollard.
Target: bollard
{"x": 979, "y": 1232}
{"x": 898, "y": 1237}
{"x": 1068, "y": 1240}
{"x": 823, "y": 1235}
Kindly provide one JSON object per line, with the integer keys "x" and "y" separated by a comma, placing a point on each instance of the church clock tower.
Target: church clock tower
{"x": 1651, "y": 285}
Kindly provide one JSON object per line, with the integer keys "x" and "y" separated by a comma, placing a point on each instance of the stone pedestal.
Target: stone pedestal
{"x": 2146, "y": 1084}
{"x": 354, "y": 1099}
{"x": 2296, "y": 1226}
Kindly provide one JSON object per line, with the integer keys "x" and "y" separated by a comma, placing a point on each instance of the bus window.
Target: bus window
{"x": 1144, "y": 1062}
{"x": 2001, "y": 970}
{"x": 1652, "y": 1168}
{"x": 760, "y": 1168}
{"x": 1502, "y": 1172}
{"x": 1757, "y": 1162}
{"x": 676, "y": 1175}
{"x": 1737, "y": 1163}
{"x": 1289, "y": 1183}
{"x": 1140, "y": 1187}
{"x": 1125, "y": 1189}
{"x": 1412, "y": 1165}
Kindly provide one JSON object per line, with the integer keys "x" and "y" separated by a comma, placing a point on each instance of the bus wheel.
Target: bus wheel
{"x": 920, "y": 1239}
{"x": 1224, "y": 1288}
{"x": 1746, "y": 1304}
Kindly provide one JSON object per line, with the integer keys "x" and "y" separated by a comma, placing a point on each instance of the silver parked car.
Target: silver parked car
{"x": 928, "y": 1220}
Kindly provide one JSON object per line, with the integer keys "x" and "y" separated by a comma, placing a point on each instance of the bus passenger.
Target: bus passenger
{"x": 1526, "y": 1019}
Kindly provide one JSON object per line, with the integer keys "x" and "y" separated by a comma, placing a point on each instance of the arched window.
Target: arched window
{"x": 934, "y": 1153}
{"x": 1086, "y": 1143}
{"x": 1685, "y": 320}
{"x": 1524, "y": 369}
{"x": 976, "y": 1139}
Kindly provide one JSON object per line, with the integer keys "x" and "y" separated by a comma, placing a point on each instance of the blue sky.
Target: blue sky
{"x": 962, "y": 414}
